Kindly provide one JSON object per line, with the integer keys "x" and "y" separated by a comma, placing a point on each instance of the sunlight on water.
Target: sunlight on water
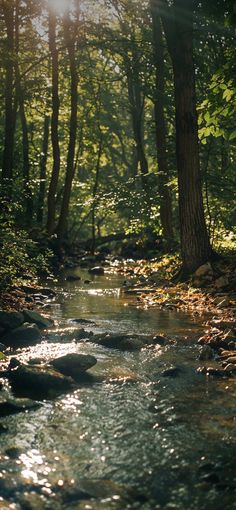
{"x": 131, "y": 438}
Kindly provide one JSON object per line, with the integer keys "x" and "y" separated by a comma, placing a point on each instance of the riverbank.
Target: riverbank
{"x": 210, "y": 296}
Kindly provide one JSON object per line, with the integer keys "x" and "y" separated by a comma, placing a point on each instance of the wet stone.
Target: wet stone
{"x": 25, "y": 335}
{"x": 38, "y": 381}
{"x": 13, "y": 452}
{"x": 73, "y": 364}
{"x": 38, "y": 319}
{"x": 126, "y": 342}
{"x": 11, "y": 320}
{"x": 84, "y": 321}
{"x": 12, "y": 405}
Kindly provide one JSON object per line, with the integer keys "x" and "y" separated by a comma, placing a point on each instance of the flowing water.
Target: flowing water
{"x": 135, "y": 439}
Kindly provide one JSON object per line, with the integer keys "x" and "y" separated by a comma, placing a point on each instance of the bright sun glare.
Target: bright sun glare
{"x": 59, "y": 6}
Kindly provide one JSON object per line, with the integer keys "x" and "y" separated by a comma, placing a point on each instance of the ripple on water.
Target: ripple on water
{"x": 171, "y": 439}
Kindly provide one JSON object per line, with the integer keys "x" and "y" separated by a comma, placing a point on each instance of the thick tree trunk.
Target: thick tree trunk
{"x": 54, "y": 125}
{"x": 10, "y": 107}
{"x": 178, "y": 25}
{"x": 43, "y": 166}
{"x": 163, "y": 170}
{"x": 70, "y": 167}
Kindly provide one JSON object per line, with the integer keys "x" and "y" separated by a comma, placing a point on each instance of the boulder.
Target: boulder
{"x": 25, "y": 335}
{"x": 204, "y": 270}
{"x": 11, "y": 320}
{"x": 16, "y": 405}
{"x": 38, "y": 381}
{"x": 125, "y": 342}
{"x": 97, "y": 270}
{"x": 73, "y": 364}
{"x": 38, "y": 319}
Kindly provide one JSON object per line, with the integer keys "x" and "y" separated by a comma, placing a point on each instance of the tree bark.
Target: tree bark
{"x": 95, "y": 188}
{"x": 69, "y": 37}
{"x": 160, "y": 124}
{"x": 136, "y": 108}
{"x": 24, "y": 125}
{"x": 54, "y": 124}
{"x": 178, "y": 26}
{"x": 43, "y": 166}
{"x": 10, "y": 107}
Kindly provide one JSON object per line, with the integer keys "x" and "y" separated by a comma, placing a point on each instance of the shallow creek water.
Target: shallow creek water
{"x": 137, "y": 440}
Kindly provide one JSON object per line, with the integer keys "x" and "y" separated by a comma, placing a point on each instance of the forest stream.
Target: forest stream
{"x": 133, "y": 439}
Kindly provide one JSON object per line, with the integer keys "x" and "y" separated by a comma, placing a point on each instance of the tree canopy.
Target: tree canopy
{"x": 119, "y": 117}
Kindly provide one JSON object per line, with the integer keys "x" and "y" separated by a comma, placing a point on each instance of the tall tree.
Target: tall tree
{"x": 70, "y": 36}
{"x": 178, "y": 25}
{"x": 8, "y": 9}
{"x": 163, "y": 168}
{"x": 43, "y": 165}
{"x": 54, "y": 122}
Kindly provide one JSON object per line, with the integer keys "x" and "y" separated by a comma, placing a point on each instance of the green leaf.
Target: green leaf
{"x": 232, "y": 136}
{"x": 228, "y": 93}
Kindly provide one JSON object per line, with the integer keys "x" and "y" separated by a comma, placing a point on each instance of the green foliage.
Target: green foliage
{"x": 20, "y": 256}
{"x": 109, "y": 32}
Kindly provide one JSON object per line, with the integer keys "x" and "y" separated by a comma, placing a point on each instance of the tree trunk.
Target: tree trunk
{"x": 178, "y": 25}
{"x": 163, "y": 170}
{"x": 95, "y": 188}
{"x": 24, "y": 126}
{"x": 136, "y": 109}
{"x": 70, "y": 167}
{"x": 10, "y": 108}
{"x": 43, "y": 165}
{"x": 54, "y": 125}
